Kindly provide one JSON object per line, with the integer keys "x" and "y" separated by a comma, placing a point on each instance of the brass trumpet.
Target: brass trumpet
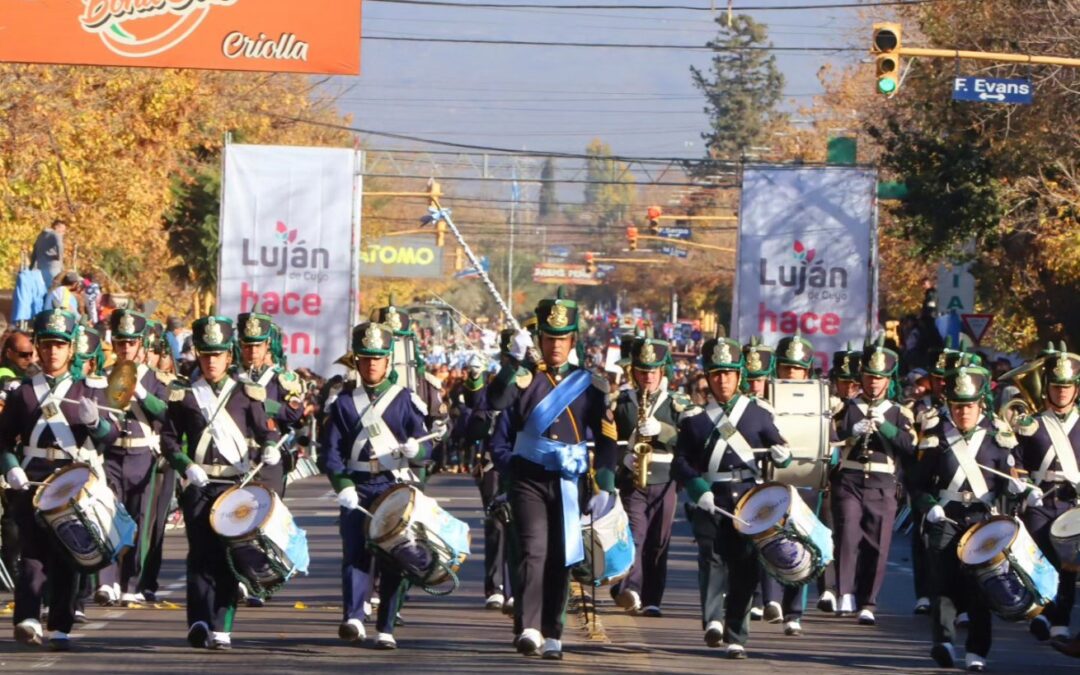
{"x": 643, "y": 446}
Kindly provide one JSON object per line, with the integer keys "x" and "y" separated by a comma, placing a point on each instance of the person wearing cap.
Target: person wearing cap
{"x": 1050, "y": 452}
{"x": 651, "y": 510}
{"x": 284, "y": 391}
{"x": 956, "y": 492}
{"x": 877, "y": 433}
{"x": 715, "y": 461}
{"x": 370, "y": 444}
{"x": 49, "y": 422}
{"x": 130, "y": 461}
{"x": 844, "y": 375}
{"x": 206, "y": 435}
{"x": 759, "y": 361}
{"x": 540, "y": 449}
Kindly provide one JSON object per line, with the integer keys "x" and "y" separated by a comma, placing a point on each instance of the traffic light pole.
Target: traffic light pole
{"x": 990, "y": 56}
{"x": 683, "y": 242}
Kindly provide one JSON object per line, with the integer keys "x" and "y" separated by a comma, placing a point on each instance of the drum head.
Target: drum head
{"x": 391, "y": 511}
{"x": 239, "y": 511}
{"x": 762, "y": 508}
{"x": 63, "y": 487}
{"x": 1067, "y": 525}
{"x": 986, "y": 540}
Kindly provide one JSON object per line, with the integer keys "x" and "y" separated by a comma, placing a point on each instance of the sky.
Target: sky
{"x": 640, "y": 101}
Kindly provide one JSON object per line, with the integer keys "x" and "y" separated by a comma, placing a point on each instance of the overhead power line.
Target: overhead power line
{"x": 605, "y": 45}
{"x": 683, "y": 8}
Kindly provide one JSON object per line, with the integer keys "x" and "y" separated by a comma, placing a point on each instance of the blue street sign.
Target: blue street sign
{"x": 993, "y": 90}
{"x": 674, "y": 251}
{"x": 675, "y": 232}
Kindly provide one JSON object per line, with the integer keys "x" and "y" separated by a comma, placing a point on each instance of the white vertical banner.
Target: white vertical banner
{"x": 806, "y": 256}
{"x": 289, "y": 224}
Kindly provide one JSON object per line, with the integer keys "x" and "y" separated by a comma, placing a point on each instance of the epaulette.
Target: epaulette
{"x": 290, "y": 382}
{"x": 764, "y": 405}
{"x": 1003, "y": 434}
{"x": 601, "y": 382}
{"x": 680, "y": 402}
{"x": 164, "y": 378}
{"x": 419, "y": 403}
{"x": 255, "y": 391}
{"x": 96, "y": 382}
{"x": 836, "y": 404}
{"x": 523, "y": 378}
{"x": 177, "y": 392}
{"x": 906, "y": 413}
{"x": 1027, "y": 426}
{"x": 690, "y": 412}
{"x": 929, "y": 442}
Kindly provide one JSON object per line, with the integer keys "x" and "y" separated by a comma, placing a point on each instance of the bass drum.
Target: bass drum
{"x": 803, "y": 417}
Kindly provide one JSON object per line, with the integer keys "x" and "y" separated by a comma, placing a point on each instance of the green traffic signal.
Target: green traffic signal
{"x": 886, "y": 85}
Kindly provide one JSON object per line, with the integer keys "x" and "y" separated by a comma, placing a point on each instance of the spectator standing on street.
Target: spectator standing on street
{"x": 48, "y": 255}
{"x": 68, "y": 295}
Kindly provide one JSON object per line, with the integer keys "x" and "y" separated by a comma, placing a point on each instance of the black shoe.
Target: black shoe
{"x": 254, "y": 601}
{"x": 942, "y": 655}
{"x": 59, "y": 644}
{"x": 652, "y": 611}
{"x": 199, "y": 635}
{"x": 399, "y": 621}
{"x": 151, "y": 596}
{"x": 1040, "y": 628}
{"x": 736, "y": 652}
{"x": 80, "y": 617}
{"x": 220, "y": 645}
{"x": 26, "y": 635}
{"x": 714, "y": 637}
{"x": 773, "y": 613}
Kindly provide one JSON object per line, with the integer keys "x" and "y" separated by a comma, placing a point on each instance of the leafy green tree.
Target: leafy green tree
{"x": 610, "y": 190}
{"x": 549, "y": 205}
{"x": 191, "y": 227}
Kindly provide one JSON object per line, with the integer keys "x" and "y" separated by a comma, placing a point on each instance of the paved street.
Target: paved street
{"x": 297, "y": 631}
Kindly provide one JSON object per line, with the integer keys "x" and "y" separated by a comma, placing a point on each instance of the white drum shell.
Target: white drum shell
{"x": 1065, "y": 538}
{"x": 801, "y": 409}
{"x": 77, "y": 486}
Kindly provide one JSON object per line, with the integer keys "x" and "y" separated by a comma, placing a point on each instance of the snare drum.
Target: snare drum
{"x": 609, "y": 548}
{"x": 264, "y": 545}
{"x": 1013, "y": 574}
{"x": 794, "y": 546}
{"x": 1065, "y": 538}
{"x": 428, "y": 544}
{"x": 801, "y": 413}
{"x": 82, "y": 512}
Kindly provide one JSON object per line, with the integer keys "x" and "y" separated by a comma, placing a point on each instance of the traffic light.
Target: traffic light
{"x": 886, "y": 47}
{"x": 440, "y": 233}
{"x": 631, "y": 237}
{"x": 590, "y": 263}
{"x": 653, "y": 214}
{"x": 459, "y": 259}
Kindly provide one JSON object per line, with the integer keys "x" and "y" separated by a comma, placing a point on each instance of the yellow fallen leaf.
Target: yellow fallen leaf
{"x": 299, "y": 605}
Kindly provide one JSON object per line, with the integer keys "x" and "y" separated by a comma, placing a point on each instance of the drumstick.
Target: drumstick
{"x": 100, "y": 407}
{"x": 997, "y": 473}
{"x": 734, "y": 517}
{"x": 251, "y": 474}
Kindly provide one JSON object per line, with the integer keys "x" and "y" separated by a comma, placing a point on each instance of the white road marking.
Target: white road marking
{"x": 114, "y": 614}
{"x": 45, "y": 663}
{"x": 95, "y": 625}
{"x": 176, "y": 586}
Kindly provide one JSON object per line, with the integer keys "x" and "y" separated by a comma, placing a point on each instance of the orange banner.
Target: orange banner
{"x": 312, "y": 36}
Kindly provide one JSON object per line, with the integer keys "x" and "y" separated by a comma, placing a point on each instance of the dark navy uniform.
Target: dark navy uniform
{"x": 353, "y": 466}
{"x": 33, "y": 449}
{"x": 878, "y": 436}
{"x": 728, "y": 569}
{"x": 212, "y": 588}
{"x": 162, "y": 493}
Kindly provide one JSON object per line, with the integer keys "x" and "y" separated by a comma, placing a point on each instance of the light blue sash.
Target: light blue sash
{"x": 571, "y": 461}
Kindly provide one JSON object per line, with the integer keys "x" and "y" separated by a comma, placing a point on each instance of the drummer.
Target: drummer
{"x": 955, "y": 493}
{"x": 49, "y": 421}
{"x": 129, "y": 463}
{"x": 370, "y": 441}
{"x": 205, "y": 438}
{"x": 714, "y": 459}
{"x": 651, "y": 510}
{"x": 1050, "y": 451}
{"x": 877, "y": 433}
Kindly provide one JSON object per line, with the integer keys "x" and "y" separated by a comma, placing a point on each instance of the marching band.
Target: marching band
{"x": 787, "y": 480}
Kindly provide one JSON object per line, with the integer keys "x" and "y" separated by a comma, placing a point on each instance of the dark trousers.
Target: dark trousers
{"x": 920, "y": 561}
{"x": 864, "y": 518}
{"x": 43, "y": 561}
{"x": 273, "y": 477}
{"x": 164, "y": 488}
{"x": 212, "y": 588}
{"x": 496, "y": 576}
{"x": 651, "y": 512}
{"x": 1038, "y": 522}
{"x": 128, "y": 473}
{"x": 9, "y": 536}
{"x": 536, "y": 501}
{"x": 727, "y": 574}
{"x": 357, "y": 566}
{"x": 953, "y": 588}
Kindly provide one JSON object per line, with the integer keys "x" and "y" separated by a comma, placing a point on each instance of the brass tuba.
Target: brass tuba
{"x": 1028, "y": 379}
{"x": 642, "y": 446}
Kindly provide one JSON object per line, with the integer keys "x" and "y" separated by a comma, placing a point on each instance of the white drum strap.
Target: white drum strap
{"x": 969, "y": 470}
{"x": 1060, "y": 446}
{"x": 374, "y": 430}
{"x": 49, "y": 402}
{"x": 864, "y": 407}
{"x": 657, "y": 402}
{"x": 728, "y": 436}
{"x": 220, "y": 426}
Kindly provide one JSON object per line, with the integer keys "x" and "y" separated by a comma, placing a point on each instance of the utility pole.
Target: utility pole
{"x": 515, "y": 194}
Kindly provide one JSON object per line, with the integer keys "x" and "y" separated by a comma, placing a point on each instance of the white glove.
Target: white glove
{"x": 863, "y": 427}
{"x": 630, "y": 460}
{"x": 196, "y": 476}
{"x": 521, "y": 344}
{"x": 409, "y": 449}
{"x": 1035, "y": 497}
{"x": 348, "y": 499}
{"x": 877, "y": 414}
{"x": 440, "y": 427}
{"x": 17, "y": 479}
{"x": 707, "y": 502}
{"x": 1017, "y": 487}
{"x": 936, "y": 514}
{"x": 271, "y": 456}
{"x": 780, "y": 453}
{"x": 601, "y": 503}
{"x": 650, "y": 427}
{"x": 88, "y": 412}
